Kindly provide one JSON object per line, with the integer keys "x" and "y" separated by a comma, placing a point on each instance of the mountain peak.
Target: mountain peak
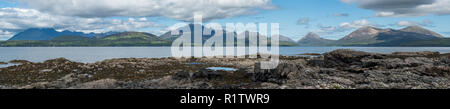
{"x": 314, "y": 39}
{"x": 131, "y": 35}
{"x": 40, "y": 29}
{"x": 368, "y": 27}
{"x": 312, "y": 35}
{"x": 47, "y": 34}
{"x": 421, "y": 30}
{"x": 413, "y": 27}
{"x": 363, "y": 33}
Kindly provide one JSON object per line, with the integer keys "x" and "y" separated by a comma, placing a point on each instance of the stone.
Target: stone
{"x": 279, "y": 74}
{"x": 99, "y": 84}
{"x": 19, "y": 62}
{"x": 181, "y": 75}
{"x": 345, "y": 57}
{"x": 207, "y": 74}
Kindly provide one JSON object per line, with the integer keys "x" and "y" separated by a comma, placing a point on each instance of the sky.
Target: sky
{"x": 332, "y": 19}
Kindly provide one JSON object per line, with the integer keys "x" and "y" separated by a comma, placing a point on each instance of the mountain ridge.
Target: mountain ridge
{"x": 313, "y": 39}
{"x": 365, "y": 36}
{"x": 50, "y": 33}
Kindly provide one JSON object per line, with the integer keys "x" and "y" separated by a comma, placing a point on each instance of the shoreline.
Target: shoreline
{"x": 339, "y": 69}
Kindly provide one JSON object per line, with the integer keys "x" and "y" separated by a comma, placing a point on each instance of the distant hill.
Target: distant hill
{"x": 131, "y": 35}
{"x": 365, "y": 36}
{"x": 119, "y": 39}
{"x": 50, "y": 33}
{"x": 371, "y": 36}
{"x": 133, "y": 39}
{"x": 313, "y": 39}
{"x": 71, "y": 38}
{"x": 420, "y": 30}
{"x": 284, "y": 41}
{"x": 168, "y": 35}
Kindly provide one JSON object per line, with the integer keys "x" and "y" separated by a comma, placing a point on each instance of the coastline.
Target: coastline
{"x": 339, "y": 69}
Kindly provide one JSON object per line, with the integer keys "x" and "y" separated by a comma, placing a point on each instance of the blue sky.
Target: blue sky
{"x": 331, "y": 19}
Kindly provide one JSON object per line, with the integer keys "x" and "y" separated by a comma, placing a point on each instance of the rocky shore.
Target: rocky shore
{"x": 340, "y": 69}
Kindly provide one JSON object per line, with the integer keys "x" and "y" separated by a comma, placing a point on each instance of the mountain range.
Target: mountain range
{"x": 365, "y": 36}
{"x": 313, "y": 39}
{"x": 50, "y": 33}
{"x": 371, "y": 36}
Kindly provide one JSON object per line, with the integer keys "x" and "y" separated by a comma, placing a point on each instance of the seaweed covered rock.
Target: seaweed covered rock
{"x": 346, "y": 57}
{"x": 207, "y": 74}
{"x": 99, "y": 84}
{"x": 20, "y": 62}
{"x": 417, "y": 54}
{"x": 202, "y": 74}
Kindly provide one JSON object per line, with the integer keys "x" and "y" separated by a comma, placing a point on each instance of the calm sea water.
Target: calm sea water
{"x": 94, "y": 54}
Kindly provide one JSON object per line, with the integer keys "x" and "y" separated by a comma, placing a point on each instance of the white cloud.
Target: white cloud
{"x": 303, "y": 21}
{"x": 176, "y": 9}
{"x": 384, "y": 14}
{"x": 341, "y": 14}
{"x": 357, "y": 24}
{"x": 404, "y": 8}
{"x": 14, "y": 20}
{"x": 406, "y": 23}
{"x": 345, "y": 26}
{"x": 427, "y": 23}
{"x": 4, "y": 35}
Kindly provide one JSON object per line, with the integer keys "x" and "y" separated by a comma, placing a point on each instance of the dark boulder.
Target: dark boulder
{"x": 19, "y": 62}
{"x": 346, "y": 57}
{"x": 58, "y": 61}
{"x": 435, "y": 71}
{"x": 279, "y": 74}
{"x": 207, "y": 74}
{"x": 202, "y": 74}
{"x": 181, "y": 75}
{"x": 416, "y": 54}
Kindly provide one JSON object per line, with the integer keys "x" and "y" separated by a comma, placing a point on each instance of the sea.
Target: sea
{"x": 95, "y": 54}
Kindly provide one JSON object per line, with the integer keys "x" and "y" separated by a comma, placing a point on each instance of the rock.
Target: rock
{"x": 4, "y": 87}
{"x": 279, "y": 74}
{"x": 345, "y": 57}
{"x": 316, "y": 63}
{"x": 19, "y": 62}
{"x": 378, "y": 85}
{"x": 354, "y": 69}
{"x": 181, "y": 75}
{"x": 267, "y": 85}
{"x": 396, "y": 63}
{"x": 58, "y": 61}
{"x": 202, "y": 74}
{"x": 342, "y": 80}
{"x": 99, "y": 84}
{"x": 1, "y": 63}
{"x": 445, "y": 61}
{"x": 435, "y": 71}
{"x": 46, "y": 70}
{"x": 310, "y": 54}
{"x": 207, "y": 74}
{"x": 417, "y": 54}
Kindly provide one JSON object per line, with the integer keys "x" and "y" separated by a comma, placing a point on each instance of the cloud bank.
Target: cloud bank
{"x": 175, "y": 9}
{"x": 404, "y": 8}
{"x": 13, "y": 20}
